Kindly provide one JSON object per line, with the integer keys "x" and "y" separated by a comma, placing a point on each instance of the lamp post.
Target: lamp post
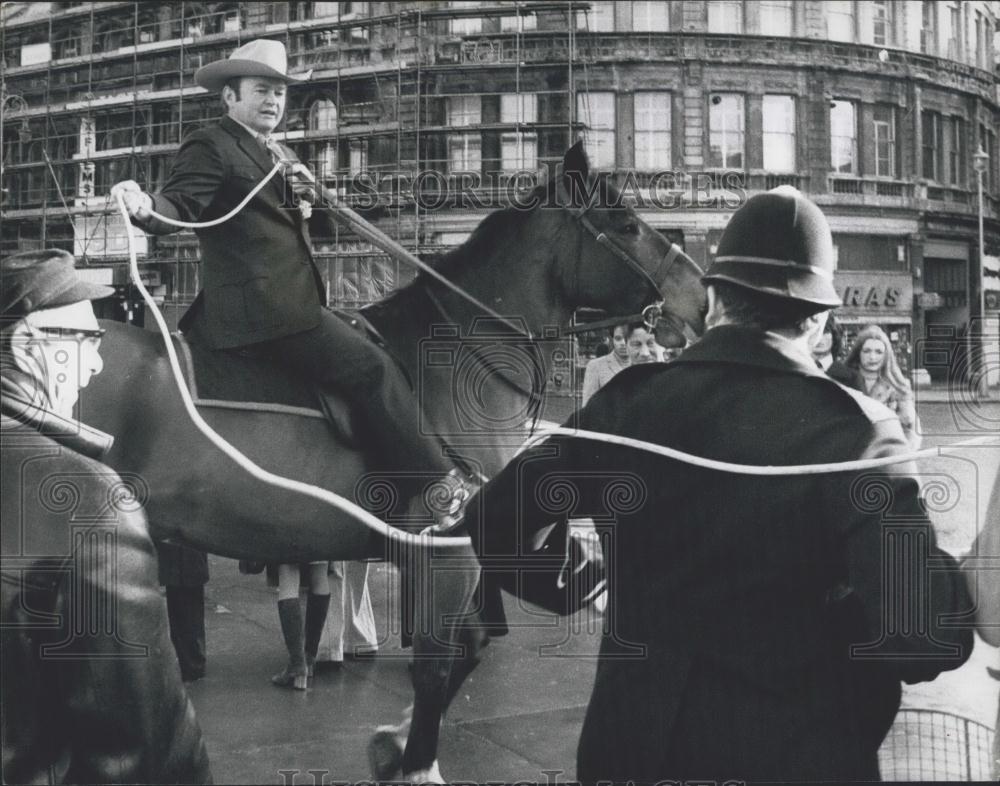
{"x": 980, "y": 161}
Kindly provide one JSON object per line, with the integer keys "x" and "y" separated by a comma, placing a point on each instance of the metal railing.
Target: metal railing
{"x": 929, "y": 745}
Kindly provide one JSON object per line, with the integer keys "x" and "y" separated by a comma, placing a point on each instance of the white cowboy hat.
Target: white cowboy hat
{"x": 262, "y": 57}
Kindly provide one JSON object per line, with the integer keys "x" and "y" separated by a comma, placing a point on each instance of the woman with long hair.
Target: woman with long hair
{"x": 882, "y": 378}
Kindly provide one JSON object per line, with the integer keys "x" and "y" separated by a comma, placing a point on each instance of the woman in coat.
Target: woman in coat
{"x": 883, "y": 380}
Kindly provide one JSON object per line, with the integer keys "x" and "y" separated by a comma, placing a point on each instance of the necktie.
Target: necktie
{"x": 272, "y": 148}
{"x": 305, "y": 195}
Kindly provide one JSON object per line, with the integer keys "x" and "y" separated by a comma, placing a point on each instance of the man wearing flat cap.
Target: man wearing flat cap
{"x": 261, "y": 286}
{"x": 749, "y": 634}
{"x": 91, "y": 692}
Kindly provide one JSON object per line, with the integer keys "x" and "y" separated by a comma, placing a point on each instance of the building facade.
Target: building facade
{"x": 875, "y": 109}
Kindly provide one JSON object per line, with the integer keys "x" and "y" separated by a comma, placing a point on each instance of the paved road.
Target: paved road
{"x": 518, "y": 716}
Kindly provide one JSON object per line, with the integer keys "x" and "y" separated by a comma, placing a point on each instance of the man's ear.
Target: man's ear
{"x": 813, "y": 325}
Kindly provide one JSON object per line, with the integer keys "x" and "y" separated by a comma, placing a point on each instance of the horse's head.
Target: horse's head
{"x": 616, "y": 261}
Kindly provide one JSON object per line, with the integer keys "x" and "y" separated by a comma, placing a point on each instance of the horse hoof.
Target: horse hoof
{"x": 291, "y": 679}
{"x": 431, "y": 775}
{"x": 385, "y": 753}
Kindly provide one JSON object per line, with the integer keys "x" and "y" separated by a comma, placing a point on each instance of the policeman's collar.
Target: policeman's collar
{"x": 749, "y": 347}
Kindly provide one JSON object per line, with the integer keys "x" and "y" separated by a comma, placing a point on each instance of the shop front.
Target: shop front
{"x": 877, "y": 298}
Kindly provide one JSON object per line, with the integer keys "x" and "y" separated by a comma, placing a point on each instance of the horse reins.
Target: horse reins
{"x": 535, "y": 396}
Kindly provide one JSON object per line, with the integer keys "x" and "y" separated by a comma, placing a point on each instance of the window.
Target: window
{"x": 326, "y": 10}
{"x": 843, "y": 138}
{"x": 358, "y": 160}
{"x": 354, "y": 10}
{"x": 518, "y": 22}
{"x": 323, "y": 115}
{"x": 725, "y": 16}
{"x": 470, "y": 25}
{"x": 596, "y": 111}
{"x": 880, "y": 23}
{"x": 465, "y": 111}
{"x": 779, "y": 133}
{"x": 930, "y": 130}
{"x": 652, "y": 131}
{"x": 650, "y": 17}
{"x": 32, "y": 54}
{"x": 726, "y": 131}
{"x": 518, "y": 149}
{"x": 884, "y": 121}
{"x": 984, "y": 42}
{"x": 839, "y": 20}
{"x": 956, "y": 151}
{"x": 600, "y": 18}
{"x": 776, "y": 17}
{"x": 928, "y": 27}
{"x": 464, "y": 150}
{"x": 517, "y": 108}
{"x": 465, "y": 153}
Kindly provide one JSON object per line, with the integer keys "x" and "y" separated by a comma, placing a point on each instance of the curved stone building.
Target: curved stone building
{"x": 877, "y": 110}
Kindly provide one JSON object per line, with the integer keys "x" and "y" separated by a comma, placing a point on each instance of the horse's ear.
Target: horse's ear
{"x": 573, "y": 176}
{"x": 576, "y": 160}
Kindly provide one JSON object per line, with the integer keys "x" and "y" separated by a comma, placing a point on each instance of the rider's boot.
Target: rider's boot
{"x": 317, "y": 607}
{"x": 294, "y": 675}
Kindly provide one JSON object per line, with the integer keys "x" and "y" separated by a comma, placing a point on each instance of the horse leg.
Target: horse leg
{"x": 443, "y": 595}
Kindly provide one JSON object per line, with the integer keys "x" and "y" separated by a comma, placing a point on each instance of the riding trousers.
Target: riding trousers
{"x": 346, "y": 364}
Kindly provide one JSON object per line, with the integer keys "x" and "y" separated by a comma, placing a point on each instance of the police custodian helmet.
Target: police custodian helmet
{"x": 778, "y": 244}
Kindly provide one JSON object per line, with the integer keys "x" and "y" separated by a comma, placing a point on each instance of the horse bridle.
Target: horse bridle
{"x": 652, "y": 313}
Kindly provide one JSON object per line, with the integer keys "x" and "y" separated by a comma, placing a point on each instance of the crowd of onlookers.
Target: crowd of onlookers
{"x": 870, "y": 366}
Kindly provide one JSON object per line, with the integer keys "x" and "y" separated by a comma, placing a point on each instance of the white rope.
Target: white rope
{"x": 203, "y": 224}
{"x": 751, "y": 469}
{"x": 322, "y": 495}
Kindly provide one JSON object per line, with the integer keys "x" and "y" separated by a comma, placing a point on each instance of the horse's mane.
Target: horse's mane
{"x": 491, "y": 232}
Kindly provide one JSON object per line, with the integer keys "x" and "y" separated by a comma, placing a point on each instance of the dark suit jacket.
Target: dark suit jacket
{"x": 746, "y": 593}
{"x": 259, "y": 279}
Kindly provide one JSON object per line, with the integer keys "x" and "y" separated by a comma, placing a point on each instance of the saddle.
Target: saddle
{"x": 241, "y": 379}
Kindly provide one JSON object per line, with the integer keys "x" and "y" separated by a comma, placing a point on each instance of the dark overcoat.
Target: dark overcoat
{"x": 734, "y": 600}
{"x": 259, "y": 278}
{"x": 91, "y": 689}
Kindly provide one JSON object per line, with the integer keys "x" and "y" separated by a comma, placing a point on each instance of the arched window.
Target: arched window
{"x": 323, "y": 115}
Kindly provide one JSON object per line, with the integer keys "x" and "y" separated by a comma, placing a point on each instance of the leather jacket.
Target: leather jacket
{"x": 91, "y": 690}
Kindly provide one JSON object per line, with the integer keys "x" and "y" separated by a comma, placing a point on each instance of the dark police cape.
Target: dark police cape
{"x": 754, "y": 629}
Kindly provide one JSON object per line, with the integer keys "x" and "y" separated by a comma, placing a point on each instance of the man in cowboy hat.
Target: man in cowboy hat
{"x": 261, "y": 285}
{"x": 91, "y": 692}
{"x": 750, "y": 633}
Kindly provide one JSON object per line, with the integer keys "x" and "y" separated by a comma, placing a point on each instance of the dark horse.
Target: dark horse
{"x": 534, "y": 265}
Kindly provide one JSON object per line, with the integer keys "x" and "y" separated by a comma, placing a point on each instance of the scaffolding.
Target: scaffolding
{"x": 432, "y": 111}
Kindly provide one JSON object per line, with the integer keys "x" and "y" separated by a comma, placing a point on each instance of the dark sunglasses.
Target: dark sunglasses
{"x": 79, "y": 334}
